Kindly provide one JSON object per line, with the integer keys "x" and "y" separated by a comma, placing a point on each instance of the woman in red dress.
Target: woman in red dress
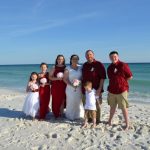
{"x": 58, "y": 86}
{"x": 44, "y": 91}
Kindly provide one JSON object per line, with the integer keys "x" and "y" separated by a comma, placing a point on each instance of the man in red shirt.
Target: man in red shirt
{"x": 118, "y": 73}
{"x": 94, "y": 72}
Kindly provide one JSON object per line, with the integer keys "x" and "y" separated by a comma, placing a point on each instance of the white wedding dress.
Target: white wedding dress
{"x": 74, "y": 105}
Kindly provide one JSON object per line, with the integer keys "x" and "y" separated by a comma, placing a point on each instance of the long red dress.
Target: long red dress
{"x": 58, "y": 92}
{"x": 44, "y": 93}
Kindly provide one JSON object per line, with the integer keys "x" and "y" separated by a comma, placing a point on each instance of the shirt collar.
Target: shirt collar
{"x": 92, "y": 61}
{"x": 116, "y": 63}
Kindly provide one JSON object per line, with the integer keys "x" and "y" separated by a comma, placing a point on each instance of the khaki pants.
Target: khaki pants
{"x": 98, "y": 109}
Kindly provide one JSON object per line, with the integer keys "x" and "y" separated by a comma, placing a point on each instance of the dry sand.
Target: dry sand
{"x": 19, "y": 132}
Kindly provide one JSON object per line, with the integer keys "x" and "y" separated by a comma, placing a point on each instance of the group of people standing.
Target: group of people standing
{"x": 78, "y": 89}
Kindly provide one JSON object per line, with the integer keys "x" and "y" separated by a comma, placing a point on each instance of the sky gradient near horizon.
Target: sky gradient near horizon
{"x": 35, "y": 31}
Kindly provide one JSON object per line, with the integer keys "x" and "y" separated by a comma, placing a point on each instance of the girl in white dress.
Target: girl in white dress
{"x": 31, "y": 104}
{"x": 72, "y": 77}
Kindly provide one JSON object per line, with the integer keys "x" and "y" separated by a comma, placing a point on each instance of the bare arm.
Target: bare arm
{"x": 66, "y": 77}
{"x": 28, "y": 88}
{"x": 130, "y": 78}
{"x": 51, "y": 75}
{"x": 98, "y": 92}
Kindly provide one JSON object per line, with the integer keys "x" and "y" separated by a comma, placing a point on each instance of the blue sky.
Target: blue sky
{"x": 33, "y": 31}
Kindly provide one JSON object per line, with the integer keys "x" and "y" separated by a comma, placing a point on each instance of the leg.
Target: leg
{"x": 88, "y": 115}
{"x": 125, "y": 114}
{"x": 33, "y": 118}
{"x": 94, "y": 118}
{"x": 112, "y": 112}
{"x": 62, "y": 109}
{"x": 123, "y": 105}
{"x": 98, "y": 112}
{"x": 85, "y": 123}
{"x": 86, "y": 119}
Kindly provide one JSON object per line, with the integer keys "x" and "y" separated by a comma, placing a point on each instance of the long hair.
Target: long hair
{"x": 74, "y": 55}
{"x": 56, "y": 63}
{"x": 33, "y": 73}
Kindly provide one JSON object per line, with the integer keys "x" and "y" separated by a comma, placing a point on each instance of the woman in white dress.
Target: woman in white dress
{"x": 72, "y": 77}
{"x": 31, "y": 104}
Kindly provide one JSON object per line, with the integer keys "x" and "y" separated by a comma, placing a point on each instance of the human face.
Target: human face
{"x": 88, "y": 88}
{"x": 44, "y": 68}
{"x": 74, "y": 60}
{"x": 34, "y": 77}
{"x": 60, "y": 60}
{"x": 114, "y": 58}
{"x": 90, "y": 56}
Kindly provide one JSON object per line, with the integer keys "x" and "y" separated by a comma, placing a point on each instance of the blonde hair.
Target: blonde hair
{"x": 88, "y": 84}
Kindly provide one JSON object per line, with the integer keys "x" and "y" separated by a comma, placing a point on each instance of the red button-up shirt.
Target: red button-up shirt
{"x": 118, "y": 74}
{"x": 93, "y": 72}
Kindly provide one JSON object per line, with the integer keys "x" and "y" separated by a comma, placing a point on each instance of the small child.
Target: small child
{"x": 31, "y": 104}
{"x": 44, "y": 91}
{"x": 90, "y": 104}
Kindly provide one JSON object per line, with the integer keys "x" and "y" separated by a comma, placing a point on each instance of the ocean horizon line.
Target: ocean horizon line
{"x": 68, "y": 63}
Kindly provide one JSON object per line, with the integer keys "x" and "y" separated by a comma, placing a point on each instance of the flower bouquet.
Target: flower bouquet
{"x": 34, "y": 86}
{"x": 60, "y": 75}
{"x": 76, "y": 83}
{"x": 43, "y": 81}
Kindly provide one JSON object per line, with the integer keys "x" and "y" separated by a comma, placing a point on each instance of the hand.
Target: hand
{"x": 99, "y": 101}
{"x": 60, "y": 79}
{"x": 99, "y": 93}
{"x": 42, "y": 85}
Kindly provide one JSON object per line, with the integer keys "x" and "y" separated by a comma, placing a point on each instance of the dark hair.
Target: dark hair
{"x": 74, "y": 55}
{"x": 88, "y": 83}
{"x": 89, "y": 51}
{"x": 113, "y": 52}
{"x": 33, "y": 73}
{"x": 43, "y": 64}
{"x": 56, "y": 63}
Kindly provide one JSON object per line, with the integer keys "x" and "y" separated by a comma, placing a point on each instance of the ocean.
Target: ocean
{"x": 15, "y": 77}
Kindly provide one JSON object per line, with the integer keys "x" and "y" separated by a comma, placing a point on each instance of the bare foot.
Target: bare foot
{"x": 85, "y": 125}
{"x": 126, "y": 128}
{"x": 109, "y": 123}
{"x": 94, "y": 125}
{"x": 41, "y": 119}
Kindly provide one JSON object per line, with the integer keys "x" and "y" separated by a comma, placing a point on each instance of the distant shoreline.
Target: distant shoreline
{"x": 68, "y": 64}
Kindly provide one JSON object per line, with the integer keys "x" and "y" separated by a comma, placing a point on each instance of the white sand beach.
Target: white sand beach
{"x": 18, "y": 132}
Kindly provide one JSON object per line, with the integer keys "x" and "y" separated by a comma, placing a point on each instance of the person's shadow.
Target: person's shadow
{"x": 7, "y": 113}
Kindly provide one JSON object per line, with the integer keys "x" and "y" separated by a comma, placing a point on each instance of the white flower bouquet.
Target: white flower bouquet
{"x": 34, "y": 86}
{"x": 60, "y": 75}
{"x": 43, "y": 81}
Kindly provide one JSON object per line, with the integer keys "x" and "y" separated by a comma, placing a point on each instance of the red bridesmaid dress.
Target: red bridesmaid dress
{"x": 44, "y": 93}
{"x": 58, "y": 92}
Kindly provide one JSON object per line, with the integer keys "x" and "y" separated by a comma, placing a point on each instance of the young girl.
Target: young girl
{"x": 31, "y": 104}
{"x": 90, "y": 104}
{"x": 44, "y": 91}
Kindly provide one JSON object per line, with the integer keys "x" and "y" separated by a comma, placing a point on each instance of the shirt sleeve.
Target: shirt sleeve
{"x": 127, "y": 71}
{"x": 102, "y": 71}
